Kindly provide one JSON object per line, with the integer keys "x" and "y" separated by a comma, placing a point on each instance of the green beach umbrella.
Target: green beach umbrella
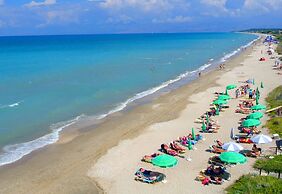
{"x": 193, "y": 134}
{"x": 255, "y": 115}
{"x": 261, "y": 85}
{"x": 164, "y": 161}
{"x": 257, "y": 102}
{"x": 207, "y": 118}
{"x": 231, "y": 86}
{"x": 258, "y": 107}
{"x": 223, "y": 97}
{"x": 204, "y": 127}
{"x": 219, "y": 102}
{"x": 232, "y": 157}
{"x": 251, "y": 123}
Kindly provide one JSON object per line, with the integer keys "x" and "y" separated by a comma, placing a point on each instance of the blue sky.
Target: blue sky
{"x": 33, "y": 17}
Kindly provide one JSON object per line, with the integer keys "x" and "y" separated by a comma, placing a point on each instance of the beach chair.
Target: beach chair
{"x": 148, "y": 176}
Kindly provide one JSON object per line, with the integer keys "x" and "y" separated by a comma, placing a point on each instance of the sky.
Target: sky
{"x": 38, "y": 17}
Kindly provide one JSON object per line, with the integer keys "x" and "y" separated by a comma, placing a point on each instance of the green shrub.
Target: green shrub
{"x": 270, "y": 165}
{"x": 249, "y": 184}
{"x": 274, "y": 98}
{"x": 275, "y": 125}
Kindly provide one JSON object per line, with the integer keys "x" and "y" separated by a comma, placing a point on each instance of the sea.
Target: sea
{"x": 48, "y": 83}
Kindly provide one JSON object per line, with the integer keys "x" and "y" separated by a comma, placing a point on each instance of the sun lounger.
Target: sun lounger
{"x": 148, "y": 176}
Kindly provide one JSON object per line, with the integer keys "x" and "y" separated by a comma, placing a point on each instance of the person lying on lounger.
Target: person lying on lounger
{"x": 243, "y": 111}
{"x": 176, "y": 147}
{"x": 244, "y": 140}
{"x": 216, "y": 149}
{"x": 167, "y": 150}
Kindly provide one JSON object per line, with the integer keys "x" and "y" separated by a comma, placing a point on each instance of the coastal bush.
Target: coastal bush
{"x": 270, "y": 165}
{"x": 274, "y": 98}
{"x": 275, "y": 125}
{"x": 256, "y": 185}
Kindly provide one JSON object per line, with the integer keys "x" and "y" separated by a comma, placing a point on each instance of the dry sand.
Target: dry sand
{"x": 114, "y": 171}
{"x": 87, "y": 160}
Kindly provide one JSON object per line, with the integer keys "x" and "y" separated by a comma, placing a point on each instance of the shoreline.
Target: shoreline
{"x": 116, "y": 175}
{"x": 62, "y": 164}
{"x": 15, "y": 152}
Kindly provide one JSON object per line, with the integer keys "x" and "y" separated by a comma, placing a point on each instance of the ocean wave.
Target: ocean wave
{"x": 11, "y": 105}
{"x": 12, "y": 153}
{"x": 235, "y": 52}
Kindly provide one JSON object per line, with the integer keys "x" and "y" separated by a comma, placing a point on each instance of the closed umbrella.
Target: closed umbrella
{"x": 255, "y": 115}
{"x": 258, "y": 107}
{"x": 257, "y": 102}
{"x": 232, "y": 147}
{"x": 232, "y": 157}
{"x": 204, "y": 127}
{"x": 193, "y": 134}
{"x": 164, "y": 161}
{"x": 207, "y": 118}
{"x": 251, "y": 123}
{"x": 261, "y": 139}
{"x": 232, "y": 133}
{"x": 217, "y": 110}
{"x": 190, "y": 147}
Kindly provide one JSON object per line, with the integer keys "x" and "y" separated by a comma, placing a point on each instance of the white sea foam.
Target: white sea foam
{"x": 12, "y": 153}
{"x": 11, "y": 105}
{"x": 233, "y": 53}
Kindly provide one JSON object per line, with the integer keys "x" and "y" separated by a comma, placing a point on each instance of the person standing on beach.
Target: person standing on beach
{"x": 200, "y": 73}
{"x": 250, "y": 93}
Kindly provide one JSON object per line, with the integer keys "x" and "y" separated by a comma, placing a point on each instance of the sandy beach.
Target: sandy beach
{"x": 105, "y": 159}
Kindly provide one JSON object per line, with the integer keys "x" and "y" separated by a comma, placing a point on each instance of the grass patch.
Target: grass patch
{"x": 274, "y": 98}
{"x": 275, "y": 125}
{"x": 270, "y": 165}
{"x": 256, "y": 185}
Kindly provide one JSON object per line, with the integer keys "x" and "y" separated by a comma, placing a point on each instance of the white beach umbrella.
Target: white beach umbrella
{"x": 261, "y": 139}
{"x": 232, "y": 147}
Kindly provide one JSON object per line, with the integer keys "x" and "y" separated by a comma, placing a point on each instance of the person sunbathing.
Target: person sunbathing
{"x": 168, "y": 151}
{"x": 244, "y": 140}
{"x": 215, "y": 171}
{"x": 216, "y": 180}
{"x": 241, "y": 106}
{"x": 216, "y": 149}
{"x": 219, "y": 143}
{"x": 243, "y": 111}
{"x": 176, "y": 147}
{"x": 148, "y": 158}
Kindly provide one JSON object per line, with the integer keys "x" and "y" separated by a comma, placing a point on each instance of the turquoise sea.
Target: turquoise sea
{"x": 49, "y": 82}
